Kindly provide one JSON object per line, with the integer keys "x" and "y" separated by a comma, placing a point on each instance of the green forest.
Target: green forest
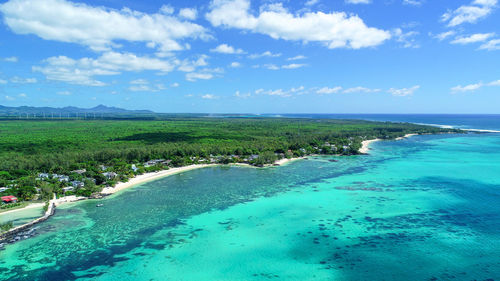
{"x": 96, "y": 148}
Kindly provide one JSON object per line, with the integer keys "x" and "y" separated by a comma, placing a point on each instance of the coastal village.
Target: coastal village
{"x": 89, "y": 179}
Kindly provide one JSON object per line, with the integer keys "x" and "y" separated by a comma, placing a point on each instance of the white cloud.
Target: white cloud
{"x": 326, "y": 90}
{"x": 466, "y": 88}
{"x": 188, "y": 13}
{"x": 494, "y": 83}
{"x": 469, "y": 13}
{"x": 413, "y": 2}
{"x": 334, "y": 30}
{"x": 360, "y": 90}
{"x": 23, "y": 95}
{"x": 9, "y": 98}
{"x": 358, "y": 1}
{"x": 191, "y": 65}
{"x": 204, "y": 74}
{"x": 11, "y": 59}
{"x": 311, "y": 2}
{"x": 292, "y": 66}
{"x": 83, "y": 71}
{"x": 407, "y": 39}
{"x": 403, "y": 92}
{"x": 242, "y": 96}
{"x": 271, "y": 66}
{"x": 235, "y": 64}
{"x": 474, "y": 38}
{"x": 19, "y": 80}
{"x": 174, "y": 85}
{"x": 264, "y": 54}
{"x": 142, "y": 85}
{"x": 209, "y": 97}
{"x": 99, "y": 28}
{"x": 64, "y": 93}
{"x": 491, "y": 45}
{"x": 3, "y": 81}
{"x": 299, "y": 57}
{"x": 443, "y": 35}
{"x": 226, "y": 49}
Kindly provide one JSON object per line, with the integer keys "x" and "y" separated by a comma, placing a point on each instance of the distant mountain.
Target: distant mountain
{"x": 69, "y": 110}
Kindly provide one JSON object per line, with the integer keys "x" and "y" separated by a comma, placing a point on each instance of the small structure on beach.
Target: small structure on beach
{"x": 9, "y": 199}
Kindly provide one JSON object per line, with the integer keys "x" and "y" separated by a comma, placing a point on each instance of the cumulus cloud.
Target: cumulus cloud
{"x": 293, "y": 66}
{"x": 188, "y": 13}
{"x": 360, "y": 90}
{"x": 143, "y": 85}
{"x": 11, "y": 59}
{"x": 474, "y": 38}
{"x": 443, "y": 35}
{"x": 235, "y": 64}
{"x": 413, "y": 2}
{"x": 264, "y": 54}
{"x": 473, "y": 87}
{"x": 299, "y": 57}
{"x": 209, "y": 97}
{"x": 82, "y": 71}
{"x": 226, "y": 49}
{"x": 471, "y": 13}
{"x": 326, "y": 90}
{"x": 358, "y": 1}
{"x": 334, "y": 30}
{"x": 407, "y": 39}
{"x": 3, "y": 82}
{"x": 242, "y": 96}
{"x": 19, "y": 80}
{"x": 466, "y": 88}
{"x": 311, "y": 2}
{"x": 204, "y": 74}
{"x": 99, "y": 28}
{"x": 64, "y": 93}
{"x": 403, "y": 92}
{"x": 491, "y": 45}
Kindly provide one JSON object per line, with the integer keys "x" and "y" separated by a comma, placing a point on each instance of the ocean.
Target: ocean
{"x": 422, "y": 208}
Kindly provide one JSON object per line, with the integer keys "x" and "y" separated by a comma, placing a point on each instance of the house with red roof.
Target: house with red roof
{"x": 9, "y": 199}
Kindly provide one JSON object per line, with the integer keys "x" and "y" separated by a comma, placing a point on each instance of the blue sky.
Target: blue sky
{"x": 253, "y": 56}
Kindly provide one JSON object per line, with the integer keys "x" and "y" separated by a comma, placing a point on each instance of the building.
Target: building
{"x": 134, "y": 168}
{"x": 68, "y": 188}
{"x": 110, "y": 175}
{"x": 2, "y": 189}
{"x": 77, "y": 184}
{"x": 9, "y": 199}
{"x": 43, "y": 176}
{"x": 79, "y": 171}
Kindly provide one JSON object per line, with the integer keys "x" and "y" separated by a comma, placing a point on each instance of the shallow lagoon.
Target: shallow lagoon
{"x": 419, "y": 209}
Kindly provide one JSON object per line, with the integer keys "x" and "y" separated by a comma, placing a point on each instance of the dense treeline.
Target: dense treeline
{"x": 59, "y": 146}
{"x": 28, "y": 148}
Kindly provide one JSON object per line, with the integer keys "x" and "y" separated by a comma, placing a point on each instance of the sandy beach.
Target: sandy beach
{"x": 30, "y": 206}
{"x": 143, "y": 179}
{"x": 152, "y": 176}
{"x": 365, "y": 145}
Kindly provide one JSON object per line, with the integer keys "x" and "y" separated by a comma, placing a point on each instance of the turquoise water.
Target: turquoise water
{"x": 22, "y": 216}
{"x": 425, "y": 208}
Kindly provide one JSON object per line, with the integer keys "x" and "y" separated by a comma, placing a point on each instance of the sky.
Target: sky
{"x": 253, "y": 56}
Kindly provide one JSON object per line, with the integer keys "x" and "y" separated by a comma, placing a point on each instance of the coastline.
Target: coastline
{"x": 140, "y": 179}
{"x": 365, "y": 145}
{"x": 30, "y": 206}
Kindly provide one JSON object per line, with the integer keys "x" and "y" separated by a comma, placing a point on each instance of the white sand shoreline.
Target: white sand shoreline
{"x": 140, "y": 179}
{"x": 365, "y": 145}
{"x": 30, "y": 206}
